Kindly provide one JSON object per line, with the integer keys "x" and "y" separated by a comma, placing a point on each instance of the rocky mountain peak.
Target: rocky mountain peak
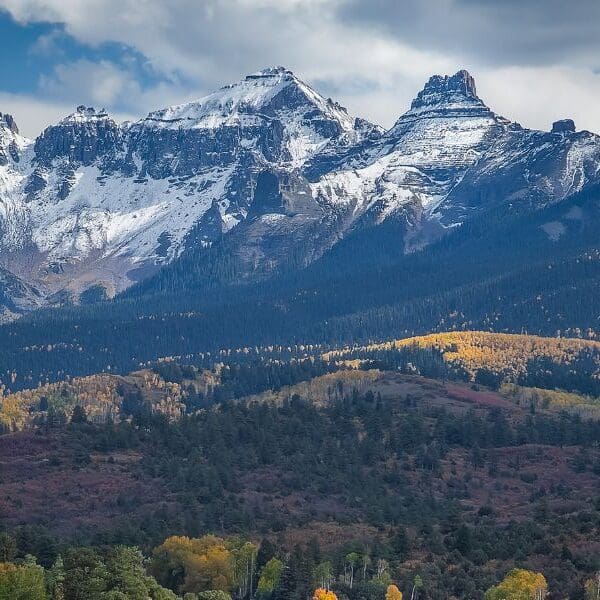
{"x": 86, "y": 114}
{"x": 461, "y": 82}
{"x": 254, "y": 86}
{"x": 563, "y": 126}
{"x": 447, "y": 90}
{"x": 271, "y": 72}
{"x": 273, "y": 92}
{"x": 448, "y": 99}
{"x": 8, "y": 122}
{"x": 11, "y": 143}
{"x": 80, "y": 137}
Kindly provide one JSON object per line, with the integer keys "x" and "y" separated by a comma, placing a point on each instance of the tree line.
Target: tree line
{"x": 216, "y": 568}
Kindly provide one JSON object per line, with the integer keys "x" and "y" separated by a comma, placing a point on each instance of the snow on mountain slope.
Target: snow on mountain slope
{"x": 303, "y": 121}
{"x": 425, "y": 153}
{"x": 449, "y": 155}
{"x": 269, "y": 93}
{"x": 447, "y": 127}
{"x": 273, "y": 165}
{"x": 14, "y": 165}
{"x": 525, "y": 169}
{"x": 97, "y": 200}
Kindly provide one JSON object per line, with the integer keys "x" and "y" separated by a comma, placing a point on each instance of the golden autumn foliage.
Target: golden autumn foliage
{"x": 505, "y": 356}
{"x": 210, "y": 570}
{"x": 495, "y": 351}
{"x": 322, "y": 388}
{"x": 323, "y": 594}
{"x": 13, "y": 414}
{"x": 586, "y": 406}
{"x": 101, "y": 396}
{"x": 393, "y": 593}
{"x": 519, "y": 584}
{"x": 208, "y": 563}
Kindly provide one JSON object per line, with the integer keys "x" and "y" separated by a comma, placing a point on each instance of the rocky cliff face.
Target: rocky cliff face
{"x": 272, "y": 165}
{"x": 450, "y": 157}
{"x": 83, "y": 138}
{"x": 101, "y": 202}
{"x": 428, "y": 150}
{"x": 9, "y": 147}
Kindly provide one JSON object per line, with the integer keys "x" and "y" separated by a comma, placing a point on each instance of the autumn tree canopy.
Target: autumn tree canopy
{"x": 393, "y": 593}
{"x": 194, "y": 564}
{"x": 323, "y": 594}
{"x": 519, "y": 584}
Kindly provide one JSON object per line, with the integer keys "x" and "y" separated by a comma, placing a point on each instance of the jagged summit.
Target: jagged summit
{"x": 8, "y": 121}
{"x": 448, "y": 96}
{"x": 449, "y": 100}
{"x": 448, "y": 119}
{"x": 80, "y": 138}
{"x": 270, "y": 72}
{"x": 445, "y": 89}
{"x": 86, "y": 114}
{"x": 272, "y": 92}
{"x": 11, "y": 143}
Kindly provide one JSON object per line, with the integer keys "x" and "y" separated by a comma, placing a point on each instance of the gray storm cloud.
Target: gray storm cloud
{"x": 506, "y": 32}
{"x": 371, "y": 55}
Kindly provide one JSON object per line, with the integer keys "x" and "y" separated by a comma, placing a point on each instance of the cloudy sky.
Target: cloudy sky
{"x": 534, "y": 61}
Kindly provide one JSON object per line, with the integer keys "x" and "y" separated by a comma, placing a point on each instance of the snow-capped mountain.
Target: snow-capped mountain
{"x": 272, "y": 166}
{"x": 93, "y": 201}
{"x": 450, "y": 154}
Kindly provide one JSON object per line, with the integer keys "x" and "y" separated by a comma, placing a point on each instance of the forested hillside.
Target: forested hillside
{"x": 502, "y": 272}
{"x": 435, "y": 464}
{"x": 102, "y": 397}
{"x": 562, "y": 372}
{"x": 490, "y": 358}
{"x": 391, "y": 476}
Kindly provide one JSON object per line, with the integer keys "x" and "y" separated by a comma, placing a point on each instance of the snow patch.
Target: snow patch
{"x": 554, "y": 230}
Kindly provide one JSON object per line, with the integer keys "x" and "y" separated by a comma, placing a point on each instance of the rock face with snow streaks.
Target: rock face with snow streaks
{"x": 271, "y": 165}
{"x": 96, "y": 201}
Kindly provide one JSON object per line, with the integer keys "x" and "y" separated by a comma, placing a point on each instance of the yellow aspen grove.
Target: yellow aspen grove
{"x": 393, "y": 593}
{"x": 519, "y": 584}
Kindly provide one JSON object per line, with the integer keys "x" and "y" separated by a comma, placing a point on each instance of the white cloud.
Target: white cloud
{"x": 199, "y": 46}
{"x": 31, "y": 114}
{"x": 101, "y": 83}
{"x": 48, "y": 44}
{"x": 536, "y": 97}
{"x": 215, "y": 41}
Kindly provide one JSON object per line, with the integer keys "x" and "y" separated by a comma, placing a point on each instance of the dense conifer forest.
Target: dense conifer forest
{"x": 205, "y": 438}
{"x": 511, "y": 278}
{"x": 352, "y": 474}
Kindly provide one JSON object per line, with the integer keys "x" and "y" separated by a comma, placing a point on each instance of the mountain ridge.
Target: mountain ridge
{"x": 271, "y": 169}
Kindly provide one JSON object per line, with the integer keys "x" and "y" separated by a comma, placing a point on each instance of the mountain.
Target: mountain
{"x": 450, "y": 157}
{"x": 447, "y": 162}
{"x": 425, "y": 154}
{"x": 91, "y": 201}
{"x": 536, "y": 272}
{"x": 266, "y": 175}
